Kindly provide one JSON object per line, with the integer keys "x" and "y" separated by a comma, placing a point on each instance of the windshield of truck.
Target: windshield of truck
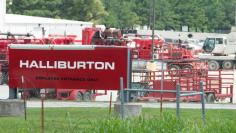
{"x": 209, "y": 44}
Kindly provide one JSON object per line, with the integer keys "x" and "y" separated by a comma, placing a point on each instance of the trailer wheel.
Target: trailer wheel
{"x": 213, "y": 65}
{"x": 187, "y": 67}
{"x": 210, "y": 98}
{"x": 87, "y": 96}
{"x": 187, "y": 70}
{"x": 173, "y": 69}
{"x": 79, "y": 96}
{"x": 3, "y": 77}
{"x": 227, "y": 64}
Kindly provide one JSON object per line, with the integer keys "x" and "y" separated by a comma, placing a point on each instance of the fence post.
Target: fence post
{"x": 177, "y": 99}
{"x": 162, "y": 80}
{"x": 121, "y": 97}
{"x": 202, "y": 101}
{"x": 232, "y": 93}
{"x": 110, "y": 103}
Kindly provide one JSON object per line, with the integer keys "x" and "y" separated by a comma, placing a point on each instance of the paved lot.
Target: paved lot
{"x": 37, "y": 104}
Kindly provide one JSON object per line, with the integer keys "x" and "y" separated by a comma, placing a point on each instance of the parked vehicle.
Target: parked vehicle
{"x": 220, "y": 51}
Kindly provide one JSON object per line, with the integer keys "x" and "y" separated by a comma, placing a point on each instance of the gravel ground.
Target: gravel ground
{"x": 37, "y": 104}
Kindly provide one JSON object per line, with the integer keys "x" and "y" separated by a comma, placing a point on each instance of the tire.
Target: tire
{"x": 79, "y": 96}
{"x": 34, "y": 93}
{"x": 227, "y": 64}
{"x": 213, "y": 65}
{"x": 3, "y": 77}
{"x": 87, "y": 97}
{"x": 211, "y": 98}
{"x": 187, "y": 70}
{"x": 187, "y": 67}
{"x": 173, "y": 69}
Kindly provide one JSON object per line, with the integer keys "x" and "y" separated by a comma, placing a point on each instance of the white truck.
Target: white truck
{"x": 220, "y": 52}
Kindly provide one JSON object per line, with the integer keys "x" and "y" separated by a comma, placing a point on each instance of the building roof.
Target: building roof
{"x": 23, "y": 19}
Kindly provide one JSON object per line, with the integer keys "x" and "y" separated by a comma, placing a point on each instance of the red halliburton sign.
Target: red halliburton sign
{"x": 68, "y": 67}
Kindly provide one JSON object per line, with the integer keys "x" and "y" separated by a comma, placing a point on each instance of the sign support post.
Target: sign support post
{"x": 122, "y": 97}
{"x": 43, "y": 93}
{"x": 110, "y": 103}
{"x": 24, "y": 96}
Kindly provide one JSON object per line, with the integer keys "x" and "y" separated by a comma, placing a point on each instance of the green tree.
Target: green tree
{"x": 43, "y": 8}
{"x": 199, "y": 15}
{"x": 165, "y": 18}
{"x": 144, "y": 10}
{"x": 121, "y": 14}
{"x": 89, "y": 10}
{"x": 220, "y": 14}
{"x": 83, "y": 10}
{"x": 190, "y": 13}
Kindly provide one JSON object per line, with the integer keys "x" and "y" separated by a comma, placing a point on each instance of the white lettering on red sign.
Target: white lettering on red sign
{"x": 67, "y": 65}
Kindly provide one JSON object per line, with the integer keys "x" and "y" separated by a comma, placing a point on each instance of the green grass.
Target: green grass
{"x": 97, "y": 120}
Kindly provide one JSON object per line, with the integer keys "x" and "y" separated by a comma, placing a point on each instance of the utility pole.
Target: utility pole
{"x": 150, "y": 16}
{"x": 235, "y": 15}
{"x": 153, "y": 27}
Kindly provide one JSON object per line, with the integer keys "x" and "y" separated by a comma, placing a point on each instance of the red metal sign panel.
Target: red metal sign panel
{"x": 67, "y": 67}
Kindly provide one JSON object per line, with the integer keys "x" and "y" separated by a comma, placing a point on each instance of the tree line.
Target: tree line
{"x": 197, "y": 15}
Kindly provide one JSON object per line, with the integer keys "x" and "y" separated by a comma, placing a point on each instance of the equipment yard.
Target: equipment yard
{"x": 108, "y": 66}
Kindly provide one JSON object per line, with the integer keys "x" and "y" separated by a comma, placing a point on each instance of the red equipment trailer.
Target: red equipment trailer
{"x": 218, "y": 85}
{"x": 178, "y": 58}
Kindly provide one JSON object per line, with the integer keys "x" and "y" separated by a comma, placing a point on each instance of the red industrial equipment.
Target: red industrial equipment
{"x": 10, "y": 38}
{"x": 95, "y": 36}
{"x": 218, "y": 85}
{"x": 180, "y": 64}
{"x": 178, "y": 58}
{"x": 141, "y": 45}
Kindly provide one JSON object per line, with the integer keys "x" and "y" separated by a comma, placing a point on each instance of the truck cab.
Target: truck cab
{"x": 215, "y": 45}
{"x": 220, "y": 52}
